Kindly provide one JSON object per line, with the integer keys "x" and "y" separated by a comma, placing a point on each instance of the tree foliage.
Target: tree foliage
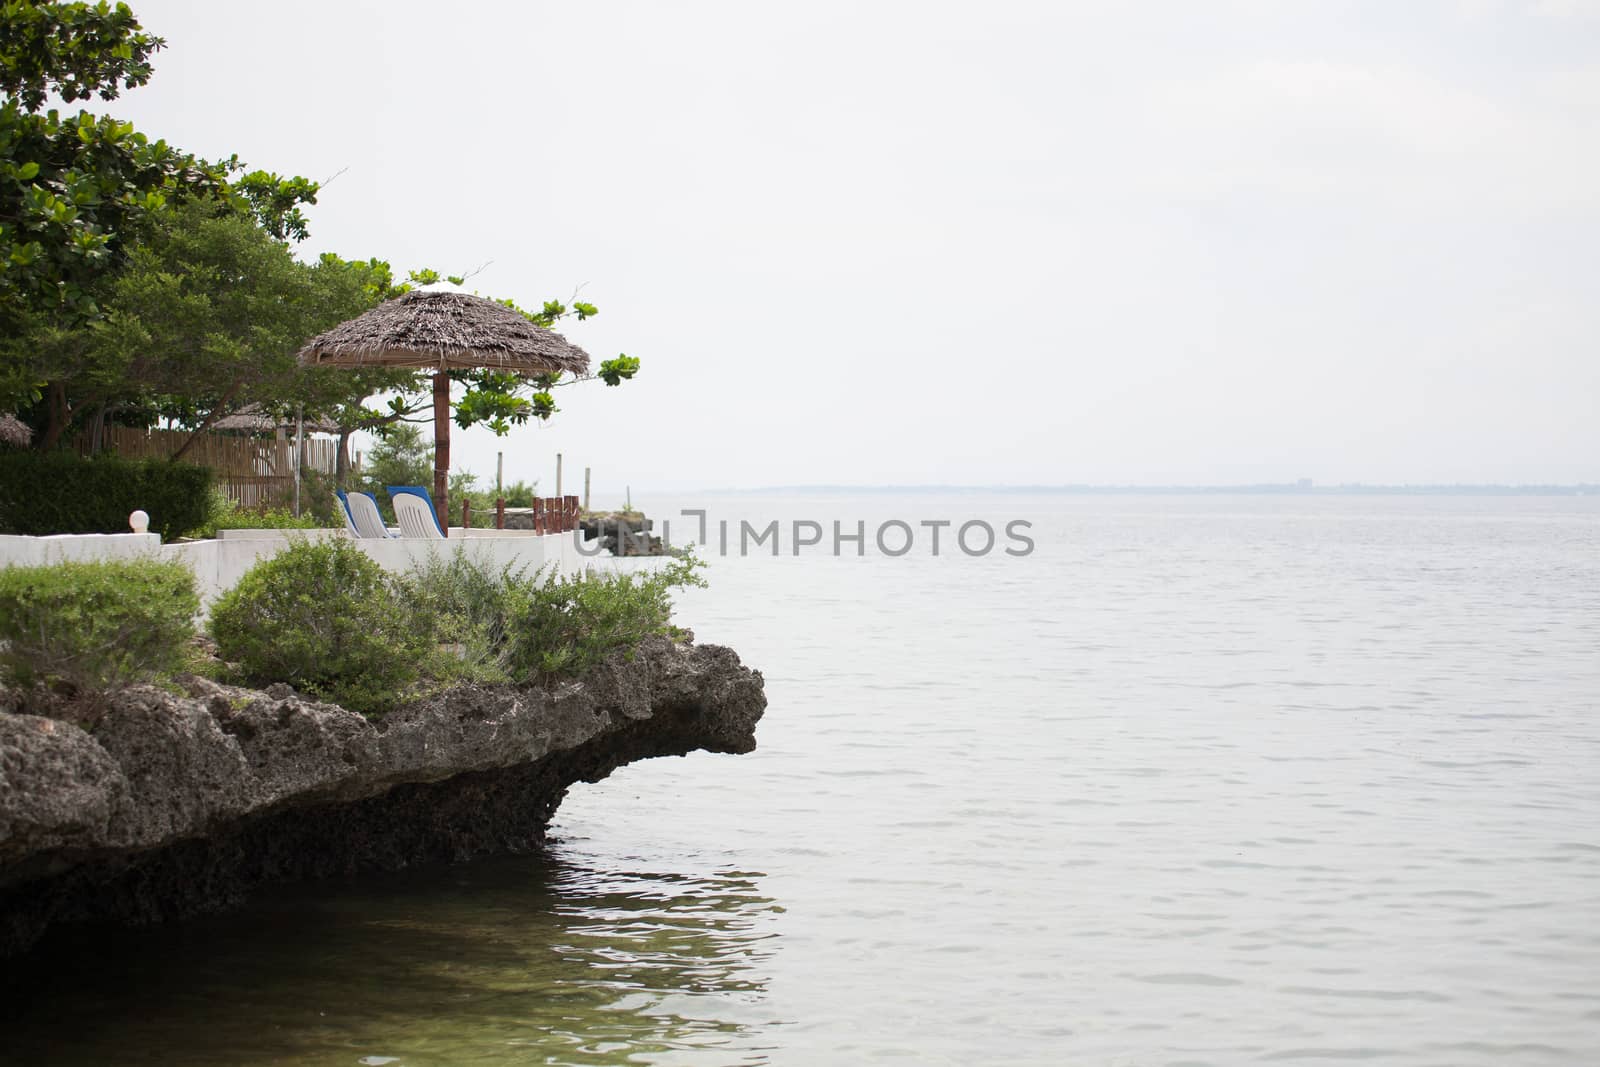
{"x": 74, "y": 50}
{"x": 79, "y": 193}
{"x": 71, "y": 191}
{"x": 275, "y": 202}
{"x": 495, "y": 399}
{"x": 206, "y": 316}
{"x": 71, "y": 187}
{"x": 138, "y": 282}
{"x": 399, "y": 457}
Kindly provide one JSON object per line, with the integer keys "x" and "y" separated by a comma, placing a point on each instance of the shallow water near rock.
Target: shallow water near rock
{"x": 1202, "y": 780}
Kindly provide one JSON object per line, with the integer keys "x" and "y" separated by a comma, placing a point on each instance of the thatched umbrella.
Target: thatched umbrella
{"x": 444, "y": 328}
{"x": 14, "y": 432}
{"x": 252, "y": 419}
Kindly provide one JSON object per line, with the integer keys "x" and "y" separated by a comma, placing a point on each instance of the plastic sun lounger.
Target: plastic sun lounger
{"x": 343, "y": 507}
{"x": 366, "y": 516}
{"x": 413, "y": 507}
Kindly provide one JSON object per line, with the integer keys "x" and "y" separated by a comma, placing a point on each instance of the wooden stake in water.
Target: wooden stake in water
{"x": 586, "y": 489}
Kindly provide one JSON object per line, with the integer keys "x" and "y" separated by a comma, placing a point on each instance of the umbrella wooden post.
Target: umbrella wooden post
{"x": 441, "y": 449}
{"x": 500, "y": 513}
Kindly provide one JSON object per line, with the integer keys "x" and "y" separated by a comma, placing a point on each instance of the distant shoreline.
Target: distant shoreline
{"x": 1266, "y": 489}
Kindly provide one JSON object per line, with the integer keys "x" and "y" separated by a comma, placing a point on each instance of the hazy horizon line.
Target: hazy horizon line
{"x": 1257, "y": 488}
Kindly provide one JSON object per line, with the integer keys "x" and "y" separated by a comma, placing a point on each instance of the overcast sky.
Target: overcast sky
{"x": 916, "y": 243}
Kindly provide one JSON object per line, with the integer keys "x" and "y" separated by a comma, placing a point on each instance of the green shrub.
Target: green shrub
{"x": 323, "y": 617}
{"x": 95, "y": 625}
{"x": 561, "y": 626}
{"x": 495, "y": 625}
{"x": 460, "y": 604}
{"x": 61, "y": 492}
{"x": 316, "y": 500}
{"x": 225, "y": 514}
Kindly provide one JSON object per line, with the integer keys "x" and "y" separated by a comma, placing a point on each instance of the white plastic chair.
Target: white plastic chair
{"x": 368, "y": 519}
{"x": 343, "y": 509}
{"x": 415, "y": 516}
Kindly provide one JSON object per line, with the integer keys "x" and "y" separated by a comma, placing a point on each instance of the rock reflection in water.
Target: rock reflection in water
{"x": 515, "y": 961}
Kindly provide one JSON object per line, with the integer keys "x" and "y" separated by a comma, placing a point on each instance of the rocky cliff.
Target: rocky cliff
{"x": 176, "y": 804}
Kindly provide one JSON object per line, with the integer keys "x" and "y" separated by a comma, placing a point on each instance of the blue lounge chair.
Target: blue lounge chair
{"x": 342, "y": 506}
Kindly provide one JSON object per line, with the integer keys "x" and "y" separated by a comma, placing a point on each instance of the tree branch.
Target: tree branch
{"x": 215, "y": 414}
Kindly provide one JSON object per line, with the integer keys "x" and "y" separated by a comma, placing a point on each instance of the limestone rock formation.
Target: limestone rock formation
{"x": 177, "y": 804}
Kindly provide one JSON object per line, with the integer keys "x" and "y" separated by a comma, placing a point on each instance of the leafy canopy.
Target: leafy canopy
{"x": 71, "y": 187}
{"x": 206, "y": 317}
{"x": 72, "y": 50}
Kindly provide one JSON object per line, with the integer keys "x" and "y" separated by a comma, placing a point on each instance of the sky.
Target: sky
{"x": 970, "y": 244}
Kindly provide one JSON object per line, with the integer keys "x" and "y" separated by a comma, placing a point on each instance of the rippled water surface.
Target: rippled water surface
{"x": 1202, "y": 781}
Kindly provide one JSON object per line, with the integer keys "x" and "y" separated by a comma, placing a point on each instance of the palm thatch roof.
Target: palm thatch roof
{"x": 251, "y": 419}
{"x": 440, "y": 330}
{"x": 14, "y": 432}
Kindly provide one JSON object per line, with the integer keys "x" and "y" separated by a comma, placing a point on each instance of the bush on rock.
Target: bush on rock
{"x": 94, "y": 626}
{"x": 323, "y": 617}
{"x": 558, "y": 626}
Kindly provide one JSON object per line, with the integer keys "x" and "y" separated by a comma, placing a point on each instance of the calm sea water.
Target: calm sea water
{"x": 1201, "y": 781}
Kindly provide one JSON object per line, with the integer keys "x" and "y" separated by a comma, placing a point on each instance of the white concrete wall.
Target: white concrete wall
{"x": 31, "y": 551}
{"x": 219, "y": 564}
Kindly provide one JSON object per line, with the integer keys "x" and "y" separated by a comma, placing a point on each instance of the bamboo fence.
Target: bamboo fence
{"x": 252, "y": 471}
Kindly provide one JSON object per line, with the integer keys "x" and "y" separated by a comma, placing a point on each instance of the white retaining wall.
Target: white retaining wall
{"x": 31, "y": 551}
{"x": 218, "y": 564}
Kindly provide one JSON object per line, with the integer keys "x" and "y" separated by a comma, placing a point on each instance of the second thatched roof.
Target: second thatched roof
{"x": 252, "y": 419}
{"x": 14, "y": 432}
{"x": 441, "y": 330}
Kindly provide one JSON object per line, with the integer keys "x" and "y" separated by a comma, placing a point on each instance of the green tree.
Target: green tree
{"x": 77, "y": 191}
{"x": 207, "y": 317}
{"x": 138, "y": 282}
{"x": 398, "y": 457}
